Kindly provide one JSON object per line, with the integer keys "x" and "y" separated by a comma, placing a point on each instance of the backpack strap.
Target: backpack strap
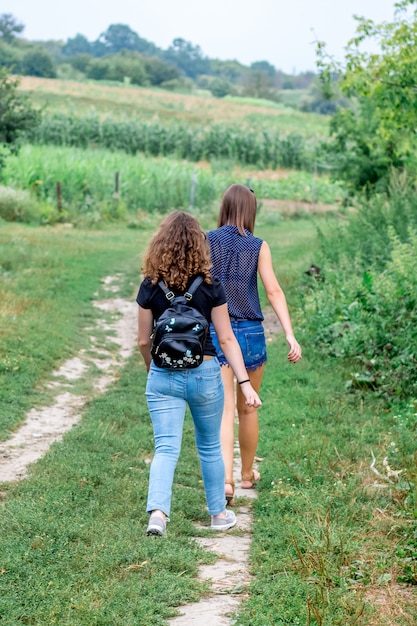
{"x": 193, "y": 287}
{"x": 170, "y": 295}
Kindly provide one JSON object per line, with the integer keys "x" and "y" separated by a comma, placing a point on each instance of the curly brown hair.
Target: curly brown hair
{"x": 177, "y": 251}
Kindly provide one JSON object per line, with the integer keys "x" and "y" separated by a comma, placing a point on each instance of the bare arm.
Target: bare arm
{"x": 232, "y": 352}
{"x": 145, "y": 326}
{"x": 277, "y": 300}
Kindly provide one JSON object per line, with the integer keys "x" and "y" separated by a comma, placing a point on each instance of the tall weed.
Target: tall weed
{"x": 16, "y": 206}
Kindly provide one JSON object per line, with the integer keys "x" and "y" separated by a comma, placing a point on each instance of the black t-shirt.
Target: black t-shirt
{"x": 204, "y": 300}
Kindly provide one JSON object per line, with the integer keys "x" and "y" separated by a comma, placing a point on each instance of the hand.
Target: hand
{"x": 250, "y": 395}
{"x": 294, "y": 354}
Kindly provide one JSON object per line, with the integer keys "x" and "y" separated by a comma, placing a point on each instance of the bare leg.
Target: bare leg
{"x": 227, "y": 428}
{"x": 249, "y": 430}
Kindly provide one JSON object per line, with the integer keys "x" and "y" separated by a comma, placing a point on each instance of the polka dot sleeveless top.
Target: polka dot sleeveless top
{"x": 235, "y": 263}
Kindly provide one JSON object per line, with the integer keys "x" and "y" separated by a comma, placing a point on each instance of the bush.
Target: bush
{"x": 17, "y": 206}
{"x": 117, "y": 67}
{"x": 10, "y": 57}
{"x": 38, "y": 63}
{"x": 66, "y": 71}
{"x": 365, "y": 309}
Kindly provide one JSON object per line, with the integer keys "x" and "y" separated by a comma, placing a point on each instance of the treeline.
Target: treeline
{"x": 120, "y": 54}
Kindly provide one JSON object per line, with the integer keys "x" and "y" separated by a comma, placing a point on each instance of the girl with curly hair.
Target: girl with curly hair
{"x": 178, "y": 253}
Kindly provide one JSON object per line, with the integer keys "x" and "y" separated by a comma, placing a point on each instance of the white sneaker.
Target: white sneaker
{"x": 223, "y": 523}
{"x": 157, "y": 526}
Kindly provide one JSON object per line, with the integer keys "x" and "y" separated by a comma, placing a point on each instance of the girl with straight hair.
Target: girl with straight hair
{"x": 237, "y": 259}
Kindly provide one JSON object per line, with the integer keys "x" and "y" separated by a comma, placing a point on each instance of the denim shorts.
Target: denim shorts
{"x": 251, "y": 338}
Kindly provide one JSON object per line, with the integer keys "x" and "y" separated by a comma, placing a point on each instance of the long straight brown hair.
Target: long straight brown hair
{"x": 238, "y": 208}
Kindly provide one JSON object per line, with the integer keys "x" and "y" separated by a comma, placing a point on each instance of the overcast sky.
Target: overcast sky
{"x": 279, "y": 31}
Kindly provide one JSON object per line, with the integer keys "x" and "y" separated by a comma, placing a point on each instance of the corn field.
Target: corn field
{"x": 87, "y": 180}
{"x": 261, "y": 147}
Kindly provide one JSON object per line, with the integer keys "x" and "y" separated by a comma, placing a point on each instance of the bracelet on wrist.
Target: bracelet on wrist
{"x": 240, "y": 382}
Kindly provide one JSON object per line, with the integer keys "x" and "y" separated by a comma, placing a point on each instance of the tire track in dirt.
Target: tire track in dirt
{"x": 229, "y": 574}
{"x": 43, "y": 426}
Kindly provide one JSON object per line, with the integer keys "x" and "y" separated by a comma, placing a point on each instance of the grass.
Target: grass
{"x": 49, "y": 276}
{"x": 72, "y": 548}
{"x": 330, "y": 537}
{"x": 157, "y": 104}
{"x": 327, "y": 531}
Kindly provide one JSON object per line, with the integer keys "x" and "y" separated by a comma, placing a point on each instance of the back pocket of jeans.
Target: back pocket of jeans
{"x": 255, "y": 345}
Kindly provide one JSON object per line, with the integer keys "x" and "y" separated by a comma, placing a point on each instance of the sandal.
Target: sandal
{"x": 251, "y": 478}
{"x": 230, "y": 491}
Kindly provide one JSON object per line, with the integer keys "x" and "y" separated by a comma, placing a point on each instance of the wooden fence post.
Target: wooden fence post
{"x": 59, "y": 196}
{"x": 116, "y": 194}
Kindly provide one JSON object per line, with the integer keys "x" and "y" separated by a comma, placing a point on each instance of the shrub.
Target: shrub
{"x": 38, "y": 63}
{"x": 16, "y": 206}
{"x": 371, "y": 318}
{"x": 365, "y": 308}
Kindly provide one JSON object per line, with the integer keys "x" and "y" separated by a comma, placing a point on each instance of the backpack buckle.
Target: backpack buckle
{"x": 188, "y": 296}
{"x": 170, "y": 295}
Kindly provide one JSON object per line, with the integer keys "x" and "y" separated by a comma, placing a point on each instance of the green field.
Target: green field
{"x": 159, "y": 105}
{"x": 326, "y": 540}
{"x": 165, "y": 150}
{"x": 333, "y": 540}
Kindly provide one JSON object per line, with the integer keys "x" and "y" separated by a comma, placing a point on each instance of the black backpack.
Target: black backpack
{"x": 180, "y": 332}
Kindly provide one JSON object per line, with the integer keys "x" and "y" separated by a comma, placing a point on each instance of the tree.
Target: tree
{"x": 264, "y": 66}
{"x": 16, "y": 116}
{"x": 188, "y": 58}
{"x": 220, "y": 87}
{"x": 81, "y": 62}
{"x": 260, "y": 84}
{"x": 118, "y": 67}
{"x": 379, "y": 131}
{"x": 231, "y": 71}
{"x": 9, "y": 27}
{"x": 159, "y": 71}
{"x": 120, "y": 37}
{"x": 77, "y": 45}
{"x": 38, "y": 62}
{"x": 10, "y": 57}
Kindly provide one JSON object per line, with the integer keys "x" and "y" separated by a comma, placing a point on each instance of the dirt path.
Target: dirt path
{"x": 47, "y": 424}
{"x": 43, "y": 426}
{"x": 229, "y": 575}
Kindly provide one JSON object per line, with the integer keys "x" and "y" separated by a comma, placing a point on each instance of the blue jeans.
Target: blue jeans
{"x": 250, "y": 335}
{"x": 167, "y": 394}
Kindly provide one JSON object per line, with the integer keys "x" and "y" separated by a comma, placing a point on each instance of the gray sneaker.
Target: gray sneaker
{"x": 157, "y": 526}
{"x": 223, "y": 523}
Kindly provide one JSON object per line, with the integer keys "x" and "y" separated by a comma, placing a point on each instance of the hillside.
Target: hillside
{"x": 154, "y": 104}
